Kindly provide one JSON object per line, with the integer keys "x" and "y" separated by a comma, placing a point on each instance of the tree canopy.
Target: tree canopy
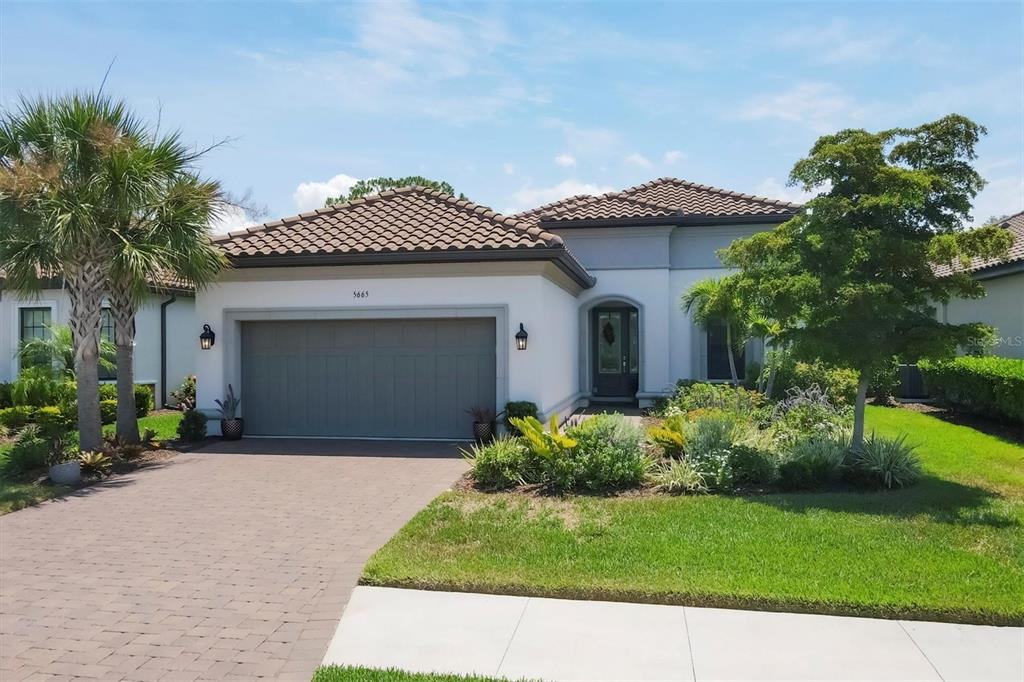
{"x": 363, "y": 188}
{"x": 852, "y": 279}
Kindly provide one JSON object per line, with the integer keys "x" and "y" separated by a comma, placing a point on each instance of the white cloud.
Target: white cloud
{"x": 771, "y": 188}
{"x": 584, "y": 141}
{"x": 313, "y": 194}
{"x": 565, "y": 160}
{"x": 673, "y": 156}
{"x": 821, "y": 106}
{"x": 637, "y": 159}
{"x": 509, "y": 168}
{"x": 838, "y": 42}
{"x": 231, "y": 218}
{"x": 531, "y": 197}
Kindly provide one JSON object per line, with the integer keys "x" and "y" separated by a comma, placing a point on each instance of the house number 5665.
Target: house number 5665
{"x": 361, "y": 293}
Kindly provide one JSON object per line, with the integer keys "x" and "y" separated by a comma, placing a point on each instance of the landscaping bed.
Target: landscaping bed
{"x": 949, "y": 548}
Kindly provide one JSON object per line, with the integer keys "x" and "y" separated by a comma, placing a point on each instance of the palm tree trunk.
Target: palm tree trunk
{"x": 85, "y": 282}
{"x": 123, "y": 309}
{"x": 732, "y": 359}
{"x": 858, "y": 410}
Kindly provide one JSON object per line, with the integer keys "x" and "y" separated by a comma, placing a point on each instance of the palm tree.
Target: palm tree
{"x": 53, "y": 211}
{"x": 159, "y": 227}
{"x": 58, "y": 350}
{"x": 716, "y": 300}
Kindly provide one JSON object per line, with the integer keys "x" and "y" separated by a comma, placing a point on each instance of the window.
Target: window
{"x": 35, "y": 324}
{"x": 718, "y": 355}
{"x": 107, "y": 334}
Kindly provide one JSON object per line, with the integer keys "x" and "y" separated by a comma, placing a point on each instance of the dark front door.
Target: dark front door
{"x": 616, "y": 351}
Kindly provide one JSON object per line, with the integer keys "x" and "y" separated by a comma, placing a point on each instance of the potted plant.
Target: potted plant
{"x": 65, "y": 467}
{"x": 231, "y": 426}
{"x": 483, "y": 423}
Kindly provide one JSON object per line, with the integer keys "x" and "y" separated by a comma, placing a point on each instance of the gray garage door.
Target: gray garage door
{"x": 366, "y": 378}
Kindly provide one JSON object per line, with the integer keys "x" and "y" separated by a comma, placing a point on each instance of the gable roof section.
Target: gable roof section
{"x": 411, "y": 224}
{"x": 665, "y": 201}
{"x": 981, "y": 266}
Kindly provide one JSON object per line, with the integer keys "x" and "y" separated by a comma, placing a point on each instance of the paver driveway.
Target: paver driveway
{"x": 211, "y": 566}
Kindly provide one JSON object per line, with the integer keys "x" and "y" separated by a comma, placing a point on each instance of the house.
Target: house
{"x": 390, "y": 316}
{"x": 165, "y": 330}
{"x": 1003, "y": 305}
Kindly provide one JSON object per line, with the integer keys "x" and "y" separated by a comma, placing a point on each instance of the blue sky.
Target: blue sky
{"x": 518, "y": 104}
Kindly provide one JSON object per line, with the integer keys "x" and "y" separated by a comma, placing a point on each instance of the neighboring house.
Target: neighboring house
{"x": 1003, "y": 305}
{"x": 165, "y": 330}
{"x": 390, "y": 316}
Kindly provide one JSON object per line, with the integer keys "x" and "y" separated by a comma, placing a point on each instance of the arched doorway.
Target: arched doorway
{"x": 615, "y": 351}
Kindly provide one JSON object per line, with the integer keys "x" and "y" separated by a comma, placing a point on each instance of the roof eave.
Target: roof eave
{"x": 562, "y": 258}
{"x": 690, "y": 219}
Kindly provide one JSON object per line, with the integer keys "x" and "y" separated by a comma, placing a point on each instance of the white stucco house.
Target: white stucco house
{"x": 392, "y": 315}
{"x": 1003, "y": 305}
{"x": 165, "y": 345}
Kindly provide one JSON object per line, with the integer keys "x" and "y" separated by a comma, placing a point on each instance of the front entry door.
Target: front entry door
{"x": 616, "y": 351}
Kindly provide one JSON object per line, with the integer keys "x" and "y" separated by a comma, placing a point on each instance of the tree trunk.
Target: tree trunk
{"x": 732, "y": 359}
{"x": 771, "y": 381}
{"x": 85, "y": 283}
{"x": 858, "y": 410}
{"x": 123, "y": 308}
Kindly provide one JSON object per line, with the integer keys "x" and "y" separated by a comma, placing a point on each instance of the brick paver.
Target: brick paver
{"x": 213, "y": 566}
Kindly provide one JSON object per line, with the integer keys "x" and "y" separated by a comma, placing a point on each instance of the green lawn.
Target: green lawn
{"x": 950, "y": 548}
{"x": 334, "y": 673}
{"x": 164, "y": 423}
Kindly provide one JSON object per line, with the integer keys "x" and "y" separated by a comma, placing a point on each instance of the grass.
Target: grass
{"x": 950, "y": 548}
{"x": 334, "y": 673}
{"x": 24, "y": 491}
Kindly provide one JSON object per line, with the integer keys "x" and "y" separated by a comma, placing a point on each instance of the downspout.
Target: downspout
{"x": 163, "y": 349}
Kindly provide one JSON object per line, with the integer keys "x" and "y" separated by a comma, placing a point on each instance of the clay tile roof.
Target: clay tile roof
{"x": 163, "y": 281}
{"x": 408, "y": 220}
{"x": 665, "y": 197}
{"x": 1015, "y": 224}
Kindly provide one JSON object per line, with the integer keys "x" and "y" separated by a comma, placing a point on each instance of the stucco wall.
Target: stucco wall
{"x": 182, "y": 335}
{"x": 540, "y": 373}
{"x": 1002, "y": 307}
{"x": 618, "y": 248}
{"x": 695, "y": 247}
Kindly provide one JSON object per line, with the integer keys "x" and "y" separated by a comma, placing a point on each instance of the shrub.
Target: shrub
{"x": 16, "y": 417}
{"x": 108, "y": 392}
{"x": 752, "y": 464}
{"x": 192, "y": 426}
{"x": 185, "y": 395}
{"x": 518, "y": 409}
{"x": 808, "y": 413}
{"x": 790, "y": 373}
{"x": 678, "y": 476}
{"x": 608, "y": 453}
{"x": 503, "y": 463}
{"x": 30, "y": 452}
{"x": 708, "y": 448}
{"x": 35, "y": 386}
{"x": 5, "y": 395}
{"x": 108, "y": 411}
{"x": 144, "y": 400}
{"x": 699, "y": 395}
{"x": 670, "y": 435}
{"x": 51, "y": 417}
{"x": 991, "y": 386}
{"x": 885, "y": 463}
{"x": 885, "y": 381}
{"x": 810, "y": 463}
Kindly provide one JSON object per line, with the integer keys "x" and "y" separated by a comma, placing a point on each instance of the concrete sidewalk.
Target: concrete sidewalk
{"x": 556, "y": 639}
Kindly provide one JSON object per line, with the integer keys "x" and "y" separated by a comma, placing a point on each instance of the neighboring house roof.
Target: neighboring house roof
{"x": 164, "y": 282}
{"x": 1015, "y": 224}
{"x": 411, "y": 224}
{"x": 680, "y": 201}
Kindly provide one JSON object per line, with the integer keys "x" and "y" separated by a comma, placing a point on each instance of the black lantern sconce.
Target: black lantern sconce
{"x": 521, "y": 337}
{"x": 207, "y": 338}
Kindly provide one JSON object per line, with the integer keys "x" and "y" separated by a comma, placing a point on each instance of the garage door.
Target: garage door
{"x": 366, "y": 378}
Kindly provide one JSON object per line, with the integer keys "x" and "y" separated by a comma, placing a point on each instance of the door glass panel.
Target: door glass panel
{"x": 634, "y": 343}
{"x": 609, "y": 343}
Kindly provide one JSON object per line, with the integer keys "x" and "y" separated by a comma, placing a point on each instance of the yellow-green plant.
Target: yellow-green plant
{"x": 670, "y": 435}
{"x": 95, "y": 462}
{"x": 549, "y": 443}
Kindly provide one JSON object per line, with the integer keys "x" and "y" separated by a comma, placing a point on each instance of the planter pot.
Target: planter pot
{"x": 231, "y": 429}
{"x": 483, "y": 432}
{"x": 66, "y": 473}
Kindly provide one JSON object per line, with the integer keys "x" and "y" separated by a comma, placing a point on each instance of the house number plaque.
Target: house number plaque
{"x": 361, "y": 293}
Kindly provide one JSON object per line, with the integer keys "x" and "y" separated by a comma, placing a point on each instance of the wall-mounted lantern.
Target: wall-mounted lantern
{"x": 521, "y": 337}
{"x": 207, "y": 338}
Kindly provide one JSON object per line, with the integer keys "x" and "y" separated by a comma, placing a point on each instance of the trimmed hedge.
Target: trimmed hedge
{"x": 990, "y": 386}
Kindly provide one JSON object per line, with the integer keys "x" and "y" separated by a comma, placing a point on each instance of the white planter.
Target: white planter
{"x": 67, "y": 473}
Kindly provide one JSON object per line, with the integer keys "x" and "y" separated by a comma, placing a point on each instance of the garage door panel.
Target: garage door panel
{"x": 367, "y": 378}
